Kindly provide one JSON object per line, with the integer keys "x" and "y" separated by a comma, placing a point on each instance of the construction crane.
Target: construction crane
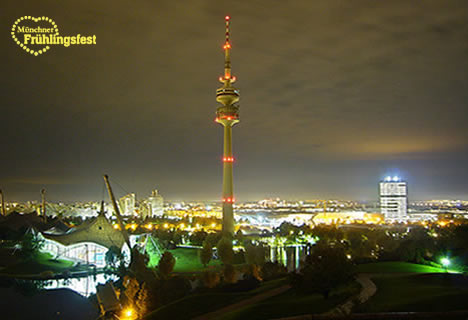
{"x": 3, "y": 203}
{"x": 43, "y": 202}
{"x": 117, "y": 214}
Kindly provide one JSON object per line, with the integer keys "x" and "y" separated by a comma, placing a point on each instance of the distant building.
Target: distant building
{"x": 394, "y": 199}
{"x": 155, "y": 204}
{"x": 128, "y": 204}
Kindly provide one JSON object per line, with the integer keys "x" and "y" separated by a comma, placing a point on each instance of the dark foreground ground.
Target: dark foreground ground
{"x": 63, "y": 304}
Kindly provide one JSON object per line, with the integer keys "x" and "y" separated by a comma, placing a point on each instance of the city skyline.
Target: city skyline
{"x": 336, "y": 96}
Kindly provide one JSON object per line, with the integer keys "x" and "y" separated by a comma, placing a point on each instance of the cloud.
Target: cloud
{"x": 318, "y": 79}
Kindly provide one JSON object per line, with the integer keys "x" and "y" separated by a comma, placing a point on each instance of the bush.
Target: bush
{"x": 252, "y": 271}
{"x": 210, "y": 279}
{"x": 230, "y": 274}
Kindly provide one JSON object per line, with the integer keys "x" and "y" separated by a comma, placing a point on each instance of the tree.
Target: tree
{"x": 131, "y": 288}
{"x": 142, "y": 300}
{"x": 250, "y": 253}
{"x": 254, "y": 254}
{"x": 329, "y": 234}
{"x": 325, "y": 269}
{"x": 135, "y": 296}
{"x": 114, "y": 257}
{"x": 205, "y": 253}
{"x": 260, "y": 251}
{"x": 225, "y": 252}
{"x": 166, "y": 264}
{"x": 213, "y": 238}
{"x": 31, "y": 243}
{"x": 198, "y": 237}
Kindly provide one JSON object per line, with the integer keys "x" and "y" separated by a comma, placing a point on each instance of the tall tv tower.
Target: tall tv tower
{"x": 228, "y": 116}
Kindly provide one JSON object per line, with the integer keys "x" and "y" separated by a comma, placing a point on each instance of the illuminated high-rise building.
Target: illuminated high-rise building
{"x": 128, "y": 204}
{"x": 156, "y": 204}
{"x": 394, "y": 199}
{"x": 227, "y": 115}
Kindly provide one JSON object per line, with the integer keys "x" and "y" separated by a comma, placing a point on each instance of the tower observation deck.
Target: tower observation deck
{"x": 227, "y": 115}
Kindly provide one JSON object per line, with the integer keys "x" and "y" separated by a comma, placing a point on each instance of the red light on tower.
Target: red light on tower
{"x": 227, "y": 17}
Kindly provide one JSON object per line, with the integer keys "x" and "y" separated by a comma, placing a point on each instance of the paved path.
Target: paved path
{"x": 236, "y": 306}
{"x": 367, "y": 291}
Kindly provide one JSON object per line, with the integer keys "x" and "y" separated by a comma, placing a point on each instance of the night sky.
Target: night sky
{"x": 335, "y": 95}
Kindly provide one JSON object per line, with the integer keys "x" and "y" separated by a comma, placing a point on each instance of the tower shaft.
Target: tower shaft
{"x": 228, "y": 189}
{"x": 227, "y": 115}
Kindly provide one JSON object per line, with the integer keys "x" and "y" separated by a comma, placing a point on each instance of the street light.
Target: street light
{"x": 445, "y": 262}
{"x": 128, "y": 314}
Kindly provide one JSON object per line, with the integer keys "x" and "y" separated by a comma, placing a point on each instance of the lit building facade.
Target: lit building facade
{"x": 155, "y": 204}
{"x": 128, "y": 204}
{"x": 394, "y": 199}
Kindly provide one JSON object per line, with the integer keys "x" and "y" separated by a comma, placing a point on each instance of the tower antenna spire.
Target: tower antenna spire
{"x": 227, "y": 51}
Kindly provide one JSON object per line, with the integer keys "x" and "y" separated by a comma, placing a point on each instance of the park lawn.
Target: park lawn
{"x": 198, "y": 304}
{"x": 292, "y": 303}
{"x": 39, "y": 263}
{"x": 396, "y": 267}
{"x": 434, "y": 292}
{"x": 187, "y": 260}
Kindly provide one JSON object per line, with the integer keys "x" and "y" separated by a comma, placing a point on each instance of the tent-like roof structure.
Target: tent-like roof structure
{"x": 98, "y": 230}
